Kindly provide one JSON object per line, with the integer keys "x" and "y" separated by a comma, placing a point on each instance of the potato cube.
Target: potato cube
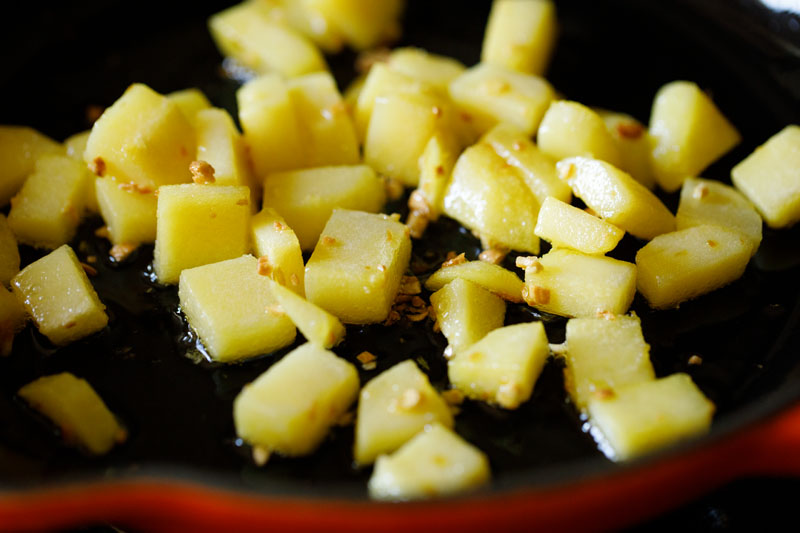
{"x": 493, "y": 278}
{"x": 20, "y": 147}
{"x": 466, "y": 312}
{"x": 12, "y": 319}
{"x": 246, "y": 33}
{"x": 520, "y": 35}
{"x": 80, "y": 414}
{"x": 9, "y": 252}
{"x": 306, "y": 198}
{"x": 492, "y": 94}
{"x": 303, "y": 17}
{"x": 769, "y": 177}
{"x": 234, "y": 310}
{"x": 490, "y": 197}
{"x": 436, "y": 462}
{"x": 275, "y": 240}
{"x": 435, "y": 69}
{"x": 47, "y": 210}
{"x": 394, "y": 407}
{"x": 603, "y": 354}
{"x": 316, "y": 324}
{"x": 363, "y": 23}
{"x": 643, "y": 417}
{"x": 356, "y": 268}
{"x": 711, "y": 202}
{"x": 190, "y": 102}
{"x": 571, "y": 129}
{"x": 144, "y": 138}
{"x": 633, "y": 145}
{"x": 565, "y": 226}
{"x": 538, "y": 169}
{"x": 220, "y": 144}
{"x": 59, "y": 297}
{"x": 685, "y": 264}
{"x": 617, "y": 197}
{"x": 291, "y": 407}
{"x": 502, "y": 367}
{"x": 689, "y": 133}
{"x": 129, "y": 212}
{"x": 568, "y": 283}
{"x": 76, "y": 146}
{"x": 197, "y": 225}
{"x": 435, "y": 168}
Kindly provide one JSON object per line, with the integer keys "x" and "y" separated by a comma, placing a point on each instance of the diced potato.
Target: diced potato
{"x": 59, "y": 297}
{"x": 435, "y": 69}
{"x": 493, "y": 94}
{"x": 711, "y": 202}
{"x": 491, "y": 197}
{"x": 520, "y": 35}
{"x": 394, "y": 407}
{"x": 303, "y": 17}
{"x": 568, "y": 283}
{"x": 538, "y": 169}
{"x": 198, "y": 225}
{"x": 436, "y": 462}
{"x": 356, "y": 268}
{"x": 306, "y": 198}
{"x": 220, "y": 144}
{"x": 275, "y": 240}
{"x": 246, "y": 33}
{"x": 643, "y": 417}
{"x": 502, "y": 367}
{"x": 74, "y": 406}
{"x": 47, "y": 210}
{"x": 12, "y": 319}
{"x": 689, "y": 133}
{"x": 435, "y": 168}
{"x": 190, "y": 102}
{"x": 20, "y": 147}
{"x": 493, "y": 278}
{"x": 9, "y": 252}
{"x": 76, "y": 146}
{"x": 466, "y": 312}
{"x": 617, "y": 197}
{"x": 633, "y": 145}
{"x": 565, "y": 226}
{"x": 603, "y": 354}
{"x": 685, "y": 264}
{"x": 316, "y": 324}
{"x": 571, "y": 129}
{"x": 129, "y": 213}
{"x": 350, "y": 97}
{"x": 144, "y": 138}
{"x": 363, "y": 23}
{"x": 291, "y": 407}
{"x": 769, "y": 177}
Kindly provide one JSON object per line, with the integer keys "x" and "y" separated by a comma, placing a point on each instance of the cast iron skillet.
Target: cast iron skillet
{"x": 182, "y": 466}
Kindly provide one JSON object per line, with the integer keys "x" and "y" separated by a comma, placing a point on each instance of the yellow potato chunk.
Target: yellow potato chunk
{"x": 568, "y": 283}
{"x": 565, "y": 226}
{"x": 502, "y": 367}
{"x": 520, "y": 35}
{"x": 20, "y": 147}
{"x": 603, "y": 354}
{"x": 47, "y": 210}
{"x": 571, "y": 129}
{"x": 12, "y": 319}
{"x": 129, "y": 212}
{"x": 646, "y": 416}
{"x": 9, "y": 252}
{"x": 466, "y": 312}
{"x": 435, "y": 168}
{"x": 490, "y": 197}
{"x": 144, "y": 138}
{"x": 76, "y": 409}
{"x": 198, "y": 225}
{"x": 306, "y": 198}
{"x": 190, "y": 102}
{"x": 711, "y": 202}
{"x": 492, "y": 94}
{"x": 234, "y": 327}
{"x": 633, "y": 145}
{"x": 538, "y": 169}
{"x": 357, "y": 266}
{"x": 616, "y": 197}
{"x": 275, "y": 240}
{"x": 435, "y": 69}
{"x": 75, "y": 146}
{"x": 220, "y": 145}
{"x": 493, "y": 278}
{"x": 689, "y": 133}
{"x": 246, "y": 33}
{"x": 769, "y": 177}
{"x": 59, "y": 297}
{"x": 316, "y": 324}
{"x": 363, "y": 23}
{"x": 685, "y": 264}
{"x": 303, "y": 17}
{"x": 394, "y": 407}
{"x": 436, "y": 462}
{"x": 291, "y": 407}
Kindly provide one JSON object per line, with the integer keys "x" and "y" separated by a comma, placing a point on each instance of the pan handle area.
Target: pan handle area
{"x": 774, "y": 446}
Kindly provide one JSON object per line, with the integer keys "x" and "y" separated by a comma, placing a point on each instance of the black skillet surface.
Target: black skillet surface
{"x": 614, "y": 54}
